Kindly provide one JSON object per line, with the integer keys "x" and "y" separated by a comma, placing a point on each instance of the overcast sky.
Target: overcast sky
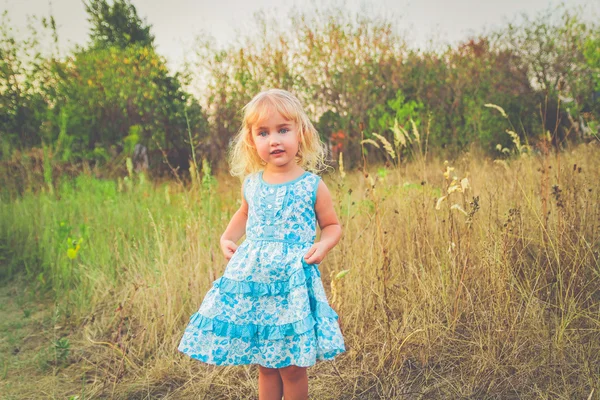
{"x": 175, "y": 23}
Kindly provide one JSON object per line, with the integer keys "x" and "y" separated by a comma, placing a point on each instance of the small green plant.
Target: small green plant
{"x": 208, "y": 180}
{"x": 132, "y": 139}
{"x": 62, "y": 347}
{"x": 382, "y": 173}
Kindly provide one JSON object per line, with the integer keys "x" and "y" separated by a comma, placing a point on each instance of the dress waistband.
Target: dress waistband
{"x": 272, "y": 239}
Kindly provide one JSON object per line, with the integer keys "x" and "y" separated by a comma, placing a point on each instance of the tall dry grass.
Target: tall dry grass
{"x": 492, "y": 292}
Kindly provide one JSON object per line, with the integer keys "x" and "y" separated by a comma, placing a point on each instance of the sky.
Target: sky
{"x": 176, "y": 23}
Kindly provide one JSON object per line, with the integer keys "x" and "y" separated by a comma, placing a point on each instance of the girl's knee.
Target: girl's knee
{"x": 268, "y": 371}
{"x": 292, "y": 373}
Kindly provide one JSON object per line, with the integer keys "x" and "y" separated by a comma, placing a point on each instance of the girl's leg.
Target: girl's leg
{"x": 295, "y": 382}
{"x": 270, "y": 386}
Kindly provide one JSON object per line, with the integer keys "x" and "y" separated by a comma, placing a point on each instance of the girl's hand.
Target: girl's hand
{"x": 228, "y": 247}
{"x": 316, "y": 253}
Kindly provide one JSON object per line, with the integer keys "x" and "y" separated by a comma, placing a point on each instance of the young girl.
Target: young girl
{"x": 269, "y": 307}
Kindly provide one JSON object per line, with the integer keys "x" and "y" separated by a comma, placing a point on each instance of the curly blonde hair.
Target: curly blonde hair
{"x": 243, "y": 158}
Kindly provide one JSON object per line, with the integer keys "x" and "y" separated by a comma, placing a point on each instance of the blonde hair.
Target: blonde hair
{"x": 243, "y": 158}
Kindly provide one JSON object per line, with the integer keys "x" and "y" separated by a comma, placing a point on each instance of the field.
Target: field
{"x": 489, "y": 292}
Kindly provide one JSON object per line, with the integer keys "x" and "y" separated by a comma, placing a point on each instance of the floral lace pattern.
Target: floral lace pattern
{"x": 281, "y": 212}
{"x": 269, "y": 307}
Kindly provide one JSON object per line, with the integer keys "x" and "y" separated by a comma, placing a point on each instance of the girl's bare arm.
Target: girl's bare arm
{"x": 331, "y": 230}
{"x": 235, "y": 229}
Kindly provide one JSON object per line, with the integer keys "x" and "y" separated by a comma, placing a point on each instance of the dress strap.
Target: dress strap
{"x": 315, "y": 188}
{"x": 247, "y": 180}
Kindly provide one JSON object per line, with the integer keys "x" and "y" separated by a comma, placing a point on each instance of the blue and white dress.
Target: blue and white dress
{"x": 269, "y": 307}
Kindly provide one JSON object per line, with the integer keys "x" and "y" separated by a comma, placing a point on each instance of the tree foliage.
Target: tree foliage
{"x": 106, "y": 97}
{"x": 22, "y": 106}
{"x": 551, "y": 48}
{"x": 354, "y": 74}
{"x": 100, "y": 100}
{"x": 116, "y": 24}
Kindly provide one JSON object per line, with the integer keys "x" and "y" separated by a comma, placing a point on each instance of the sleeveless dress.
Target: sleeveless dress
{"x": 269, "y": 307}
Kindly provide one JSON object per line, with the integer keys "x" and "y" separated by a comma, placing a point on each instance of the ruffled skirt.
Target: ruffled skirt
{"x": 268, "y": 308}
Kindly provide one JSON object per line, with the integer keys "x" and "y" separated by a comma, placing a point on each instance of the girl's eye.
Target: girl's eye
{"x": 262, "y": 133}
{"x": 284, "y": 130}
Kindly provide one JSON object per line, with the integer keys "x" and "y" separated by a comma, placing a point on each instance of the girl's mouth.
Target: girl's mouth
{"x": 277, "y": 152}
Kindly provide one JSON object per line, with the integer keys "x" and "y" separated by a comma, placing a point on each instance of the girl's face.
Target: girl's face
{"x": 276, "y": 140}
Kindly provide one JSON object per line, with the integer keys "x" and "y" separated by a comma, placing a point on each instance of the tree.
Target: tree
{"x": 551, "y": 47}
{"x": 117, "y": 24}
{"x": 118, "y": 92}
{"x": 22, "y": 107}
